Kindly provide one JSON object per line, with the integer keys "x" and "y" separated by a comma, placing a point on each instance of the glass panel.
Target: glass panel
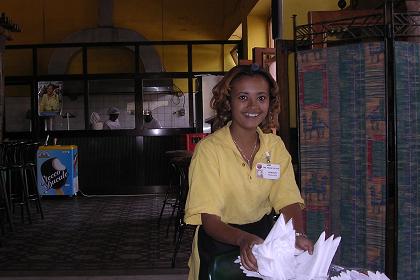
{"x": 174, "y": 58}
{"x": 110, "y": 60}
{"x": 17, "y": 62}
{"x": 230, "y": 56}
{"x": 212, "y": 54}
{"x": 60, "y": 61}
{"x": 204, "y": 86}
{"x": 70, "y": 114}
{"x": 112, "y": 104}
{"x": 18, "y": 108}
{"x": 44, "y": 56}
{"x": 165, "y": 103}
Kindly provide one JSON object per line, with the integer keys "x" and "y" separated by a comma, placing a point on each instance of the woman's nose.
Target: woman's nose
{"x": 252, "y": 103}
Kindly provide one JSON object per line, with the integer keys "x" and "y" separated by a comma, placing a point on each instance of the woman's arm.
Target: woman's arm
{"x": 294, "y": 212}
{"x": 225, "y": 233}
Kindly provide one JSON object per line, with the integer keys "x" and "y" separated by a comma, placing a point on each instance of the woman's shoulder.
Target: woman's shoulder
{"x": 213, "y": 142}
{"x": 272, "y": 139}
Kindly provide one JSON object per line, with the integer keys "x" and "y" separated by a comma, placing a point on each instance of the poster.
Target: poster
{"x": 50, "y": 96}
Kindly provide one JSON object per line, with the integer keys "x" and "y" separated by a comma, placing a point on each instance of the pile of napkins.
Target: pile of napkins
{"x": 355, "y": 275}
{"x": 278, "y": 259}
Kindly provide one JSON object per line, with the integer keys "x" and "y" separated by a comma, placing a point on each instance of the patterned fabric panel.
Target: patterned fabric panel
{"x": 342, "y": 148}
{"x": 408, "y": 156}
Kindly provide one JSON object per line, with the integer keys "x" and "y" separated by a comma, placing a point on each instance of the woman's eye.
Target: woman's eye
{"x": 242, "y": 97}
{"x": 262, "y": 98}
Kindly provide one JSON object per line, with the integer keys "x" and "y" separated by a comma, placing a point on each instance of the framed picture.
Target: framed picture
{"x": 50, "y": 96}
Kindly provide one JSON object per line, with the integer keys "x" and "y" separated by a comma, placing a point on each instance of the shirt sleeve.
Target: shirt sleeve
{"x": 285, "y": 192}
{"x": 205, "y": 192}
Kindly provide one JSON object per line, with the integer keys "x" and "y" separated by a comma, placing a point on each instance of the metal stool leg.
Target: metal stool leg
{"x": 25, "y": 193}
{"x": 7, "y": 206}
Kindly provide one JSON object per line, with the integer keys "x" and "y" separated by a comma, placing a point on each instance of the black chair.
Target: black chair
{"x": 223, "y": 267}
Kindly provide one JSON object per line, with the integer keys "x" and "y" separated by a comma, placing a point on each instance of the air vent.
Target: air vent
{"x": 157, "y": 86}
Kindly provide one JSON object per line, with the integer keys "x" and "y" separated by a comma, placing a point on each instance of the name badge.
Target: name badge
{"x": 268, "y": 171}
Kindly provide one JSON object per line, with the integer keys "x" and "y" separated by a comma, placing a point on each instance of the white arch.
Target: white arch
{"x": 61, "y": 57}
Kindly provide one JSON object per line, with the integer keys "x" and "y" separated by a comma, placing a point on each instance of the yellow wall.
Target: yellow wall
{"x": 301, "y": 9}
{"x": 51, "y": 21}
{"x": 257, "y": 33}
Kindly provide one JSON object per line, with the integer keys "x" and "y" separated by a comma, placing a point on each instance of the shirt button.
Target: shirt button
{"x": 250, "y": 177}
{"x": 243, "y": 163}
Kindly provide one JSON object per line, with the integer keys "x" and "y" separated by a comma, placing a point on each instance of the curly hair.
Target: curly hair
{"x": 220, "y": 102}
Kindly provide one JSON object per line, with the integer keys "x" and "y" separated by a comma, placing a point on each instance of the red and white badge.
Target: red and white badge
{"x": 268, "y": 171}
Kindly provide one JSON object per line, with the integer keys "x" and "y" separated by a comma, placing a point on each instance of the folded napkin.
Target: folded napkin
{"x": 275, "y": 256}
{"x": 355, "y": 275}
{"x": 316, "y": 265}
{"x": 278, "y": 258}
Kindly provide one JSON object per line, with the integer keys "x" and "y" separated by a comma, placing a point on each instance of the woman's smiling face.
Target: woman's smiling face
{"x": 249, "y": 101}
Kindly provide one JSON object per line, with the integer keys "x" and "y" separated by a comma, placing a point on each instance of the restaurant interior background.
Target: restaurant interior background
{"x": 127, "y": 54}
{"x": 143, "y": 56}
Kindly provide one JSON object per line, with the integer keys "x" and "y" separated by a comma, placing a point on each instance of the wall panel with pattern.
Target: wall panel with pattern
{"x": 342, "y": 148}
{"x": 408, "y": 156}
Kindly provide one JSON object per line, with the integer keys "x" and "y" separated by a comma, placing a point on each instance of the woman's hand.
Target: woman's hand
{"x": 305, "y": 244}
{"x": 246, "y": 241}
{"x": 227, "y": 234}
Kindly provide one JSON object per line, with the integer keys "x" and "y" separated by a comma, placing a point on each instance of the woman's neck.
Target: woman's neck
{"x": 246, "y": 137}
{"x": 246, "y": 141}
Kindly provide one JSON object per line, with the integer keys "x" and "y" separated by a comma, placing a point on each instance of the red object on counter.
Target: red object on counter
{"x": 192, "y": 140}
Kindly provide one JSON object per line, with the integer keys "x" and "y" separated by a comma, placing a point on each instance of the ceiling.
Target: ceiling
{"x": 51, "y": 21}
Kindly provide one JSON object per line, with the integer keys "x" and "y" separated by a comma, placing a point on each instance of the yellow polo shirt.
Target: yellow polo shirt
{"x": 221, "y": 183}
{"x": 50, "y": 103}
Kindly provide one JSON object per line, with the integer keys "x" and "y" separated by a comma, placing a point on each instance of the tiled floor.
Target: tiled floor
{"x": 94, "y": 238}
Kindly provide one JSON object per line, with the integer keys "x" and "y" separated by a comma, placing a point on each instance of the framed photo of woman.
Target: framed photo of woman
{"x": 50, "y": 96}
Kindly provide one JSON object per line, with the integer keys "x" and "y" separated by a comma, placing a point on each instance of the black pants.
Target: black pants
{"x": 208, "y": 248}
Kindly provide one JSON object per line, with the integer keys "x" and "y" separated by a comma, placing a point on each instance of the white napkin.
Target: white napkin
{"x": 278, "y": 259}
{"x": 355, "y": 275}
{"x": 316, "y": 265}
{"x": 275, "y": 256}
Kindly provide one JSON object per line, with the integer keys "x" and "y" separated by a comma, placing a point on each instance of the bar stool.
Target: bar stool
{"x": 15, "y": 179}
{"x": 183, "y": 166}
{"x": 21, "y": 177}
{"x": 4, "y": 200}
{"x": 171, "y": 194}
{"x": 29, "y": 159}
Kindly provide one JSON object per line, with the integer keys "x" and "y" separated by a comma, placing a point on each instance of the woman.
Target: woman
{"x": 240, "y": 173}
{"x": 50, "y": 100}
